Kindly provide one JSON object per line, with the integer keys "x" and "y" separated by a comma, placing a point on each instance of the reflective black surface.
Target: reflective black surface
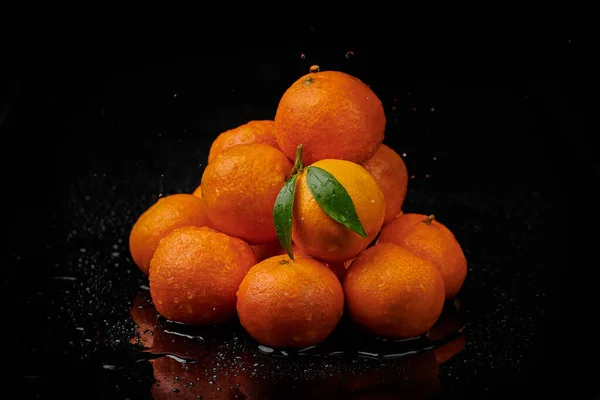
{"x": 493, "y": 138}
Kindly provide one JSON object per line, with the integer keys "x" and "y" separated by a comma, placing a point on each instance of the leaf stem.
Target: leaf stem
{"x": 298, "y": 167}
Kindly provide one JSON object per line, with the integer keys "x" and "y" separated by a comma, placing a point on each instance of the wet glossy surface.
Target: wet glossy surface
{"x": 119, "y": 130}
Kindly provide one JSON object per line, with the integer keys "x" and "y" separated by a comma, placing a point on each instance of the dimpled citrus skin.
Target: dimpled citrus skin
{"x": 285, "y": 303}
{"x": 195, "y": 274}
{"x": 239, "y": 188}
{"x": 433, "y": 242}
{"x": 160, "y": 219}
{"x": 393, "y": 293}
{"x": 333, "y": 115}
{"x": 320, "y": 236}
{"x": 390, "y": 173}
{"x": 258, "y": 131}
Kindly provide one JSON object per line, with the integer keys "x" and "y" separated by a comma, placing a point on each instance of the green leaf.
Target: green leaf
{"x": 282, "y": 214}
{"x": 333, "y": 198}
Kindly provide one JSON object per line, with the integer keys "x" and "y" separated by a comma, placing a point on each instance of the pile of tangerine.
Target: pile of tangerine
{"x": 297, "y": 220}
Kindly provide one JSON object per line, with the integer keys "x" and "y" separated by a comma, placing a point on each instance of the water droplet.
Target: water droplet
{"x": 174, "y": 94}
{"x": 432, "y": 109}
{"x": 414, "y": 108}
{"x": 175, "y": 390}
{"x": 315, "y": 68}
{"x": 302, "y": 56}
{"x": 426, "y": 175}
{"x": 412, "y": 177}
{"x": 349, "y": 55}
{"x": 393, "y": 108}
{"x": 265, "y": 349}
{"x": 403, "y": 154}
{"x": 434, "y": 158}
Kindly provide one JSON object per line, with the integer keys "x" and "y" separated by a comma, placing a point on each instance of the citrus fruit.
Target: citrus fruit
{"x": 166, "y": 214}
{"x": 338, "y": 267}
{"x": 333, "y": 115}
{"x": 389, "y": 171}
{"x": 319, "y": 235}
{"x": 433, "y": 241}
{"x": 290, "y": 303}
{"x": 195, "y": 273}
{"x": 267, "y": 250}
{"x": 393, "y": 293}
{"x": 198, "y": 191}
{"x": 256, "y": 131}
{"x": 239, "y": 188}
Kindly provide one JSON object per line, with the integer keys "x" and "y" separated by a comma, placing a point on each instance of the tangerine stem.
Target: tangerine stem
{"x": 429, "y": 219}
{"x": 298, "y": 167}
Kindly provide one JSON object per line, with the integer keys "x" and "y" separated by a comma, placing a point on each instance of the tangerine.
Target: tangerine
{"x": 195, "y": 273}
{"x": 390, "y": 173}
{"x": 319, "y": 235}
{"x": 239, "y": 188}
{"x": 393, "y": 293}
{"x": 160, "y": 219}
{"x": 256, "y": 131}
{"x": 433, "y": 241}
{"x": 333, "y": 115}
{"x": 290, "y": 303}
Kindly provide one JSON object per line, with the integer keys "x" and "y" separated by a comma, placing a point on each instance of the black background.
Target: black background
{"x": 96, "y": 124}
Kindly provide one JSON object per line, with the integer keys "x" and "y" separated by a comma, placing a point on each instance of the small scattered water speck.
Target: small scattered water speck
{"x": 65, "y": 278}
{"x": 265, "y": 349}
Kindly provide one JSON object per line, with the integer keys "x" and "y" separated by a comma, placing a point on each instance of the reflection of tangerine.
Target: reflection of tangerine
{"x": 389, "y": 171}
{"x": 413, "y": 377}
{"x": 144, "y": 316}
{"x": 448, "y": 350}
{"x": 333, "y": 115}
{"x": 195, "y": 381}
{"x": 195, "y": 273}
{"x": 239, "y": 188}
{"x": 433, "y": 241}
{"x": 319, "y": 235}
{"x": 258, "y": 131}
{"x": 160, "y": 219}
{"x": 151, "y": 334}
{"x": 391, "y": 292}
{"x": 285, "y": 303}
